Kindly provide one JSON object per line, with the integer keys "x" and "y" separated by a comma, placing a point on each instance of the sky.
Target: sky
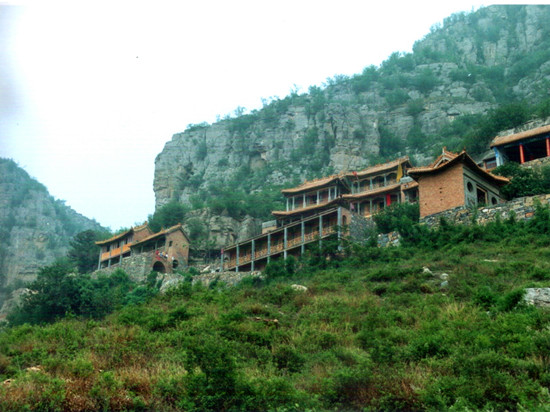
{"x": 90, "y": 92}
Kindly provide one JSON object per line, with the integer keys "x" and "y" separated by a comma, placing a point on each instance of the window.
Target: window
{"x": 494, "y": 200}
{"x": 470, "y": 187}
{"x": 481, "y": 196}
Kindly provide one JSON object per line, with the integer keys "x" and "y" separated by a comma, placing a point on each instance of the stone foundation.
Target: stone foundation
{"x": 136, "y": 266}
{"x": 522, "y": 208}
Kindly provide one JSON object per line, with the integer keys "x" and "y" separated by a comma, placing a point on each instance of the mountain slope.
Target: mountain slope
{"x": 436, "y": 325}
{"x": 35, "y": 228}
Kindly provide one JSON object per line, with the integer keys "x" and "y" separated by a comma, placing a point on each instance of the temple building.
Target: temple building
{"x": 522, "y": 147}
{"x": 454, "y": 180}
{"x": 313, "y": 212}
{"x": 116, "y": 248}
{"x": 320, "y": 208}
{"x": 380, "y": 186}
{"x": 162, "y": 252}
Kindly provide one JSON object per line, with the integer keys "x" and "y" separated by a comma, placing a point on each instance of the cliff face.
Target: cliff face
{"x": 472, "y": 63}
{"x": 35, "y": 229}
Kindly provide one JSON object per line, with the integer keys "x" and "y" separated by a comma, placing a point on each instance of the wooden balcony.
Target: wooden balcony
{"x": 278, "y": 248}
{"x": 115, "y": 252}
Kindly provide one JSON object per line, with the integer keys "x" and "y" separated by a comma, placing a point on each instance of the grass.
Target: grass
{"x": 373, "y": 331}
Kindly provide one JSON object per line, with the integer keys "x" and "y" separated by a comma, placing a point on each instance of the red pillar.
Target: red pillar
{"x": 388, "y": 199}
{"x": 521, "y": 154}
{"x": 547, "y": 147}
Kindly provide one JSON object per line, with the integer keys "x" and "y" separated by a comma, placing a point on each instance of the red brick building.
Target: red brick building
{"x": 454, "y": 180}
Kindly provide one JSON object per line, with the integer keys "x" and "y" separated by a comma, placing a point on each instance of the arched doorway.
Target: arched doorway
{"x": 159, "y": 267}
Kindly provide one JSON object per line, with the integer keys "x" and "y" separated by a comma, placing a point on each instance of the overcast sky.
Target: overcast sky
{"x": 91, "y": 91}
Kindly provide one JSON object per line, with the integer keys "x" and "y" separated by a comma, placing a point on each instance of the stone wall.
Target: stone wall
{"x": 360, "y": 227}
{"x": 228, "y": 278}
{"x": 537, "y": 163}
{"x": 522, "y": 208}
{"x": 136, "y": 266}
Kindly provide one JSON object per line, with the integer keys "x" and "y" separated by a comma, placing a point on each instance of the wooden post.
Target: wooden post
{"x": 318, "y": 191}
{"x": 285, "y": 240}
{"x": 252, "y": 255}
{"x": 521, "y": 154}
{"x": 339, "y": 225}
{"x": 237, "y": 259}
{"x": 320, "y": 230}
{"x": 268, "y": 247}
{"x": 99, "y": 259}
{"x": 287, "y": 204}
{"x": 303, "y": 236}
{"x": 548, "y": 147}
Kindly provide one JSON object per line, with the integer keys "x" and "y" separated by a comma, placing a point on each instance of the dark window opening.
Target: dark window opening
{"x": 175, "y": 263}
{"x": 481, "y": 196}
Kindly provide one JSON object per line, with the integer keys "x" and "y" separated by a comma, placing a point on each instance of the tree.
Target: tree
{"x": 83, "y": 251}
{"x": 168, "y": 215}
{"x": 54, "y": 293}
{"x": 523, "y": 182}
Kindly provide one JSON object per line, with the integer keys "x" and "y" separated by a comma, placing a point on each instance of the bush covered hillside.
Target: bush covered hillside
{"x": 437, "y": 323}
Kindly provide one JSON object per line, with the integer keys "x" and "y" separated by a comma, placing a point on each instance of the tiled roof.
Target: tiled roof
{"x": 379, "y": 168}
{"x": 311, "y": 184}
{"x": 282, "y": 213}
{"x": 161, "y": 233}
{"x": 441, "y": 164}
{"x": 121, "y": 235}
{"x": 502, "y": 140}
{"x": 370, "y": 193}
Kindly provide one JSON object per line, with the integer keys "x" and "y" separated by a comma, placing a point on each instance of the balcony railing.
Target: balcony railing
{"x": 277, "y": 248}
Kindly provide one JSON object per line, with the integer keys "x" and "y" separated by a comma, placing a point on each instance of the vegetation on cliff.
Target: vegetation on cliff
{"x": 374, "y": 330}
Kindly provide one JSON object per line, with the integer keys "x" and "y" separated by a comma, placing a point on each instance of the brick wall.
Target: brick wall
{"x": 441, "y": 191}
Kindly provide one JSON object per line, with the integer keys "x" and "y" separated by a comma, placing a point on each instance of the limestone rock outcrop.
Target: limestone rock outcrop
{"x": 353, "y": 122}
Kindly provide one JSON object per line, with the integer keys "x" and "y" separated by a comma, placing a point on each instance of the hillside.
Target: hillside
{"x": 435, "y": 324}
{"x": 469, "y": 78}
{"x": 35, "y": 228}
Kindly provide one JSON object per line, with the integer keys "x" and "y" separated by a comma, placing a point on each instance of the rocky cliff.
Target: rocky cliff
{"x": 35, "y": 229}
{"x": 465, "y": 67}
